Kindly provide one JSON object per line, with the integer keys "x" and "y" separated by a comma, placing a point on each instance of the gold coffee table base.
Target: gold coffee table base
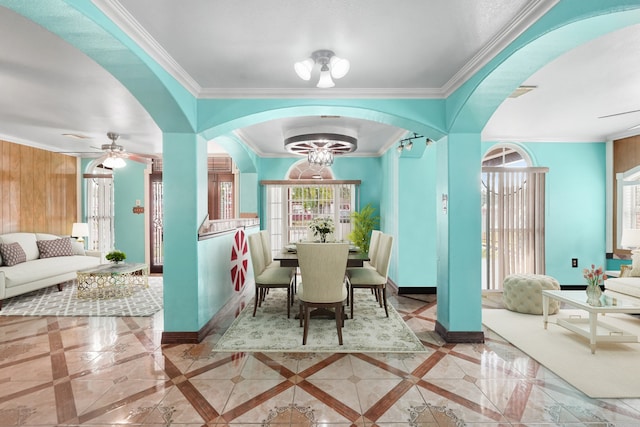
{"x": 111, "y": 280}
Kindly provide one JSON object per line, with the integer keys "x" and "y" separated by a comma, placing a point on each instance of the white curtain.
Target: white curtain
{"x": 513, "y": 222}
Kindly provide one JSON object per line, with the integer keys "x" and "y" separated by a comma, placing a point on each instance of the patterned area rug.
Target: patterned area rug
{"x": 270, "y": 331}
{"x": 50, "y": 302}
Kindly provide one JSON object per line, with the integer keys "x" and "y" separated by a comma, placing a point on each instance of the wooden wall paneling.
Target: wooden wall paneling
{"x": 72, "y": 197}
{"x": 27, "y": 207}
{"x": 14, "y": 188}
{"x": 4, "y": 193}
{"x": 57, "y": 207}
{"x": 38, "y": 190}
{"x": 39, "y": 169}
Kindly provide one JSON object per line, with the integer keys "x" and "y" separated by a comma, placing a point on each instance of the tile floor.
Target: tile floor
{"x": 67, "y": 371}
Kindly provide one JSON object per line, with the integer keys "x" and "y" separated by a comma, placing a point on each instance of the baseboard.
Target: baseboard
{"x": 459, "y": 337}
{"x": 194, "y": 337}
{"x": 421, "y": 290}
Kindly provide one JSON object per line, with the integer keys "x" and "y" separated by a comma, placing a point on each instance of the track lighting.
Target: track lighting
{"x": 407, "y": 143}
{"x": 330, "y": 66}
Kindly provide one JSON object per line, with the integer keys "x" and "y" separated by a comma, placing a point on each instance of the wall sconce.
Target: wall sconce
{"x": 407, "y": 143}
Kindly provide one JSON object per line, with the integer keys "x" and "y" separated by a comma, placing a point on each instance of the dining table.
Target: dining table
{"x": 289, "y": 258}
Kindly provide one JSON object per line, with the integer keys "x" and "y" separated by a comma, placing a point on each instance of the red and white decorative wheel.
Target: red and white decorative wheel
{"x": 239, "y": 261}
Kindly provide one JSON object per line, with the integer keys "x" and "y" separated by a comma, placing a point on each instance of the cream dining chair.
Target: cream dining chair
{"x": 322, "y": 268}
{"x": 373, "y": 278}
{"x": 267, "y": 278}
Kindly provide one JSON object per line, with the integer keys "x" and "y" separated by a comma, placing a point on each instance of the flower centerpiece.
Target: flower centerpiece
{"x": 594, "y": 277}
{"x": 321, "y": 227}
{"x": 116, "y": 256}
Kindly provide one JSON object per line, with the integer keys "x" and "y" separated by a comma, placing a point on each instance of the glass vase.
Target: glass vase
{"x": 593, "y": 295}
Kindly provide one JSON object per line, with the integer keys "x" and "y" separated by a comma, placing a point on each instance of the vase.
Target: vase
{"x": 593, "y": 295}
{"x": 323, "y": 238}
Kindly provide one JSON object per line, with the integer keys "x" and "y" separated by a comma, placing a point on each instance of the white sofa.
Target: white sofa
{"x": 37, "y": 272}
{"x": 625, "y": 284}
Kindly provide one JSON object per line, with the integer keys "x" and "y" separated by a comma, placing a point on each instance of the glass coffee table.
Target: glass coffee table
{"x": 590, "y": 327}
{"x": 111, "y": 280}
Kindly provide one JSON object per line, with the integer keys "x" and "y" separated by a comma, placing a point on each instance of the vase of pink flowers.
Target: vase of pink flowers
{"x": 594, "y": 277}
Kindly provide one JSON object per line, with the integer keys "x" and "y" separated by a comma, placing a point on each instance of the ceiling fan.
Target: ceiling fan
{"x": 113, "y": 155}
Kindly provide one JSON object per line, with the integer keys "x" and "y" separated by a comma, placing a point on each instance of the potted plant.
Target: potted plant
{"x": 363, "y": 223}
{"x": 116, "y": 256}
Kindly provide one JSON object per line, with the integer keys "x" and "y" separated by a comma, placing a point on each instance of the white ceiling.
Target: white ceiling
{"x": 227, "y": 48}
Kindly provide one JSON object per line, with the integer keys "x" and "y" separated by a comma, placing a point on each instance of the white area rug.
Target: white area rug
{"x": 50, "y": 302}
{"x": 612, "y": 372}
{"x": 270, "y": 331}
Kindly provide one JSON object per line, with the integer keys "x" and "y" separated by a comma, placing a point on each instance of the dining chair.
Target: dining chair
{"x": 267, "y": 278}
{"x": 373, "y": 278}
{"x": 322, "y": 268}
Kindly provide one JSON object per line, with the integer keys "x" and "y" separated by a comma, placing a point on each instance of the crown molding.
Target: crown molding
{"x": 122, "y": 18}
{"x": 333, "y": 93}
{"x": 127, "y": 23}
{"x": 532, "y": 11}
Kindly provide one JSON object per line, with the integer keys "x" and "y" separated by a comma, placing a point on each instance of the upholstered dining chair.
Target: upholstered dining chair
{"x": 373, "y": 278}
{"x": 267, "y": 278}
{"x": 322, "y": 268}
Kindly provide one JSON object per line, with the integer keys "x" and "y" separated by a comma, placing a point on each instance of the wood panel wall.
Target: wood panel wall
{"x": 626, "y": 155}
{"x": 38, "y": 190}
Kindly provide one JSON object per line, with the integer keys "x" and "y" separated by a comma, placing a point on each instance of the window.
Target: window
{"x": 628, "y": 186}
{"x": 513, "y": 215}
{"x": 100, "y": 208}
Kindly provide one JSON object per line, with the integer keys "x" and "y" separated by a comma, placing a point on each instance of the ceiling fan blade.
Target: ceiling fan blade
{"x": 619, "y": 114}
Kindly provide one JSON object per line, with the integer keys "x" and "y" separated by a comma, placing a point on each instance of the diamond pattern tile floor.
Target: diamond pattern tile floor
{"x": 114, "y": 371}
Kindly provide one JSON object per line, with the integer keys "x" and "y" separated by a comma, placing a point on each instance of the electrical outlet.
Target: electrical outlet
{"x": 574, "y": 262}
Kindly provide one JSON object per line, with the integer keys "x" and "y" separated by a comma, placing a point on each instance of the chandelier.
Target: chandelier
{"x": 321, "y": 148}
{"x": 330, "y": 66}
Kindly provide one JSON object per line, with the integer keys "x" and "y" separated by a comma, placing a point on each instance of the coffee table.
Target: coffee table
{"x": 111, "y": 280}
{"x": 591, "y": 327}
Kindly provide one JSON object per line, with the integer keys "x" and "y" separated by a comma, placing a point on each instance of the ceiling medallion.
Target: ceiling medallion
{"x": 320, "y": 148}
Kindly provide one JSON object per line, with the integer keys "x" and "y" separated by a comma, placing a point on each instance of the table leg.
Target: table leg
{"x": 593, "y": 329}
{"x": 545, "y": 310}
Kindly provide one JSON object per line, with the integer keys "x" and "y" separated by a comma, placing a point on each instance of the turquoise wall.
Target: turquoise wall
{"x": 129, "y": 183}
{"x": 417, "y": 204}
{"x": 575, "y": 206}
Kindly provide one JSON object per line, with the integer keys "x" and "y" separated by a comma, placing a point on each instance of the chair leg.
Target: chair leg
{"x": 255, "y": 302}
{"x": 300, "y": 313}
{"x": 379, "y": 296}
{"x": 384, "y": 296}
{"x": 306, "y": 324}
{"x": 339, "y": 321}
{"x": 289, "y": 302}
{"x": 353, "y": 302}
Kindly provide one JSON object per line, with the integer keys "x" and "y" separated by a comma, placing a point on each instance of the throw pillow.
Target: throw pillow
{"x": 12, "y": 253}
{"x": 78, "y": 248}
{"x": 635, "y": 264}
{"x": 55, "y": 247}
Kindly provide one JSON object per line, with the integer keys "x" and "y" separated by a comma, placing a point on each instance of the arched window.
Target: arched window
{"x": 512, "y": 215}
{"x": 100, "y": 207}
{"x": 308, "y": 192}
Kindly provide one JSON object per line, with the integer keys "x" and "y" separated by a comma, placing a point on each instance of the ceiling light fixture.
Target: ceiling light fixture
{"x": 407, "y": 143}
{"x": 113, "y": 161}
{"x": 330, "y": 66}
{"x": 320, "y": 148}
